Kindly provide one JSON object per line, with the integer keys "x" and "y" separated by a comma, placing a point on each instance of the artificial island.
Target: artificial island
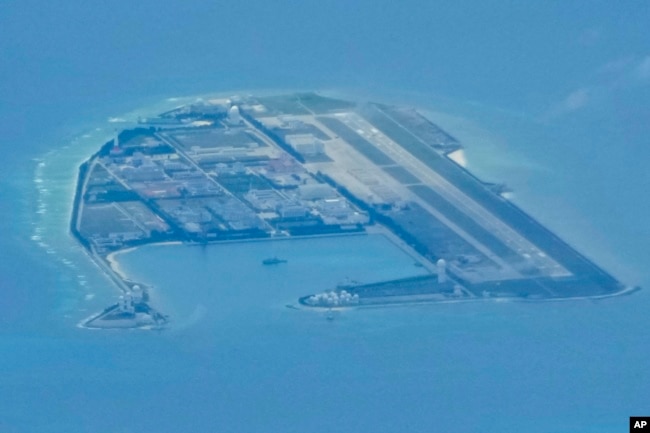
{"x": 299, "y": 165}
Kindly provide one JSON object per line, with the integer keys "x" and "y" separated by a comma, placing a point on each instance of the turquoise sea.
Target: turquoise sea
{"x": 550, "y": 98}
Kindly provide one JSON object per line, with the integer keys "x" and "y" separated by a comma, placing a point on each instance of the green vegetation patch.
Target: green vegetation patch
{"x": 476, "y": 230}
{"x": 206, "y": 138}
{"x": 421, "y": 127}
{"x": 401, "y": 174}
{"x": 242, "y": 183}
{"x": 432, "y": 237}
{"x": 287, "y": 104}
{"x": 106, "y": 219}
{"x": 321, "y": 104}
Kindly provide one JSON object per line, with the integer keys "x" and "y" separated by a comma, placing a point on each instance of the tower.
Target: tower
{"x": 116, "y": 150}
{"x": 441, "y": 265}
{"x": 136, "y": 294}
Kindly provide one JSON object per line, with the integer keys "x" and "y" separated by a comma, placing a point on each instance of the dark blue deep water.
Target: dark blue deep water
{"x": 550, "y": 97}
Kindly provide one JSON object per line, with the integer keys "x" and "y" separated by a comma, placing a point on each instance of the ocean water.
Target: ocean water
{"x": 200, "y": 286}
{"x": 550, "y": 98}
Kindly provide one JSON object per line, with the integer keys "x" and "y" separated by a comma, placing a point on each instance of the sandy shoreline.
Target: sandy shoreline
{"x": 114, "y": 264}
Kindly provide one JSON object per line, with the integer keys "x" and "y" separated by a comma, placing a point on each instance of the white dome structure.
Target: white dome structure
{"x": 234, "y": 117}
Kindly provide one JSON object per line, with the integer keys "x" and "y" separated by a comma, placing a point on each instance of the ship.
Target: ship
{"x": 273, "y": 261}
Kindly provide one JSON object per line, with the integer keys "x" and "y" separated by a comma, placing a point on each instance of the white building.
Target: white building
{"x": 125, "y": 304}
{"x": 305, "y": 144}
{"x": 292, "y": 210}
{"x": 316, "y": 191}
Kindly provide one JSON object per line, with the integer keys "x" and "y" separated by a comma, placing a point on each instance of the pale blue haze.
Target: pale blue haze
{"x": 560, "y": 91}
